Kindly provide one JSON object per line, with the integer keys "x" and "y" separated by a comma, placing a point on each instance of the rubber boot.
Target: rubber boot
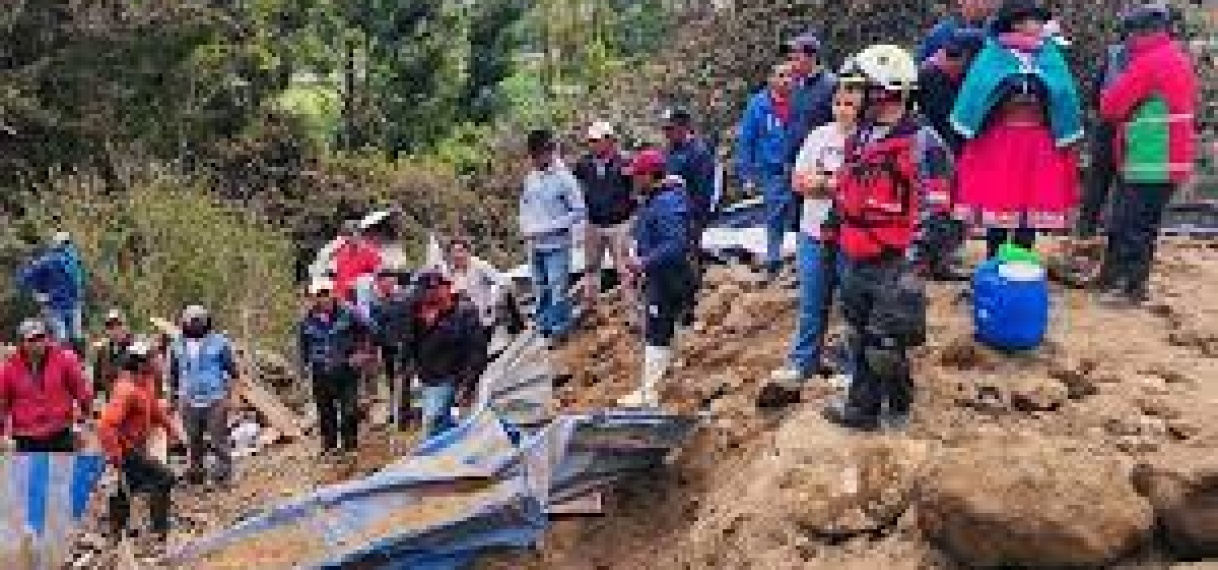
{"x": 655, "y": 364}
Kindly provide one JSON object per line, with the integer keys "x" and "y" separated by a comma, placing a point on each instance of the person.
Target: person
{"x": 56, "y": 279}
{"x": 692, "y": 158}
{"x": 812, "y": 95}
{"x": 664, "y": 262}
{"x": 815, "y": 177}
{"x": 355, "y": 260}
{"x": 895, "y": 176}
{"x": 551, "y": 211}
{"x": 939, "y": 81}
{"x": 110, "y": 353}
{"x": 323, "y": 265}
{"x": 610, "y": 203}
{"x": 126, "y": 423}
{"x": 446, "y": 347}
{"x": 1101, "y": 169}
{"x": 811, "y": 100}
{"x": 391, "y": 317}
{"x": 1153, "y": 103}
{"x": 766, "y": 133}
{"x": 1020, "y": 114}
{"x": 331, "y": 337}
{"x": 203, "y": 370}
{"x": 971, "y": 14}
{"x": 43, "y": 393}
{"x": 477, "y": 280}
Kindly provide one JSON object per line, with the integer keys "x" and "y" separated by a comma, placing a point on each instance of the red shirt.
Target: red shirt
{"x": 40, "y": 406}
{"x": 353, "y": 260}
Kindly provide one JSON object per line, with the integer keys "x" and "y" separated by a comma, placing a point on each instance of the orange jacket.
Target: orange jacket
{"x": 130, "y": 415}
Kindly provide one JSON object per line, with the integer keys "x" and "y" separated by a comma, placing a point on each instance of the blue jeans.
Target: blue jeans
{"x": 438, "y": 401}
{"x": 65, "y": 324}
{"x": 814, "y": 293}
{"x": 779, "y": 213}
{"x": 551, "y": 284}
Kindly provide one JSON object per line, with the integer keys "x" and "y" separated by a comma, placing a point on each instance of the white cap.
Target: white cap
{"x": 31, "y": 328}
{"x": 319, "y": 285}
{"x": 194, "y": 312}
{"x": 61, "y": 238}
{"x": 601, "y": 130}
{"x": 114, "y": 315}
{"x": 141, "y": 347}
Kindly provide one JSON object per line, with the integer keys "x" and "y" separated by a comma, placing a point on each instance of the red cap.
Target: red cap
{"x": 649, "y": 161}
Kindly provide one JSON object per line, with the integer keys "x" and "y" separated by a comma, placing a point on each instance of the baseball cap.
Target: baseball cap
{"x": 31, "y": 328}
{"x": 807, "y": 42}
{"x": 194, "y": 312}
{"x": 650, "y": 161}
{"x": 321, "y": 285}
{"x": 431, "y": 279}
{"x": 114, "y": 315}
{"x": 601, "y": 130}
{"x": 141, "y": 347}
{"x": 61, "y": 238}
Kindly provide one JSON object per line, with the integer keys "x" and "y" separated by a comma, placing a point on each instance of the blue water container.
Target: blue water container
{"x": 1010, "y": 305}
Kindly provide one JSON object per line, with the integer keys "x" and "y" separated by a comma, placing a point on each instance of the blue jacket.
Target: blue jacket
{"x": 326, "y": 346}
{"x": 811, "y": 107}
{"x": 662, "y": 229}
{"x": 765, "y": 139}
{"x": 56, "y": 274}
{"x": 203, "y": 380}
{"x": 694, "y": 162}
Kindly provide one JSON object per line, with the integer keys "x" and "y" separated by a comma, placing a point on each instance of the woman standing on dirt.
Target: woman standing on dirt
{"x": 1020, "y": 112}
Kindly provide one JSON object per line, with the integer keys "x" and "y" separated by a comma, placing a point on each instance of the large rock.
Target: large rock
{"x": 1183, "y": 488}
{"x": 1027, "y": 502}
{"x": 1038, "y": 394}
{"x": 836, "y": 484}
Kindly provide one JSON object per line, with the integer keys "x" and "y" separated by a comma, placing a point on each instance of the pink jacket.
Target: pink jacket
{"x": 39, "y": 408}
{"x": 1158, "y": 66}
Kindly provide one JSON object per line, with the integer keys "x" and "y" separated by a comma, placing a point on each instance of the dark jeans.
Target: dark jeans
{"x": 58, "y": 442}
{"x": 1101, "y": 174}
{"x": 336, "y": 394}
{"x": 203, "y": 424}
{"x": 1133, "y": 232}
{"x": 142, "y": 475}
{"x": 995, "y": 237}
{"x": 884, "y": 303}
{"x": 669, "y": 293}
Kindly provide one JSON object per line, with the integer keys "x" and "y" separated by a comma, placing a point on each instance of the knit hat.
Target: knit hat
{"x": 1148, "y": 16}
{"x": 807, "y": 42}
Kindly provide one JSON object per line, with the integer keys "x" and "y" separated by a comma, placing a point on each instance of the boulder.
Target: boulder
{"x": 1038, "y": 394}
{"x": 1183, "y": 488}
{"x": 837, "y": 485}
{"x": 1030, "y": 503}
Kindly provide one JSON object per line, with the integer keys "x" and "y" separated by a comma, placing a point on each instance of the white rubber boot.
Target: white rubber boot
{"x": 655, "y": 364}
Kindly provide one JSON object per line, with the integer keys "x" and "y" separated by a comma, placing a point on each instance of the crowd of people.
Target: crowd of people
{"x": 882, "y": 168}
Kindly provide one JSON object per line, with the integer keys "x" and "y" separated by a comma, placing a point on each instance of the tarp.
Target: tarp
{"x": 485, "y": 484}
{"x": 42, "y": 499}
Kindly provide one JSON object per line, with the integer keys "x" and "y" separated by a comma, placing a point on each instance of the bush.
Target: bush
{"x": 166, "y": 243}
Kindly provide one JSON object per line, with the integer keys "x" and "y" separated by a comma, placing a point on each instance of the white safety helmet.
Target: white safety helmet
{"x": 887, "y": 66}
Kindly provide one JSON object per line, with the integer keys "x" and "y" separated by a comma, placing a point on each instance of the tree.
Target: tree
{"x": 493, "y": 43}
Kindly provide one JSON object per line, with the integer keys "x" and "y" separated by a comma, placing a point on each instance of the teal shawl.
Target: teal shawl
{"x": 981, "y": 90}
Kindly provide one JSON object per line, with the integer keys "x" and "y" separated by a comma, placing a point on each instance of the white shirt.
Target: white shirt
{"x": 482, "y": 283}
{"x": 823, "y": 151}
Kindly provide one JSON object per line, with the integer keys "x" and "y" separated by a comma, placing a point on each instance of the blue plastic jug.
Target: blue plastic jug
{"x": 1010, "y": 305}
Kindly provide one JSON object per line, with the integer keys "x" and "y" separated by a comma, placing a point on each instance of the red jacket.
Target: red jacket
{"x": 1158, "y": 66}
{"x": 39, "y": 408}
{"x": 129, "y": 417}
{"x": 353, "y": 260}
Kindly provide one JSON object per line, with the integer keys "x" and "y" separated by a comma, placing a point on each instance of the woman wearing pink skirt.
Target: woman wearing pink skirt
{"x": 1021, "y": 116}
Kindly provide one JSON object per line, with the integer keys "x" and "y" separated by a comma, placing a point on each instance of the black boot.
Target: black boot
{"x": 847, "y": 416}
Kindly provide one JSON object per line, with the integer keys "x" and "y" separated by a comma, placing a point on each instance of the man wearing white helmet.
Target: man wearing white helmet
{"x": 896, "y": 176}
{"x": 610, "y": 205}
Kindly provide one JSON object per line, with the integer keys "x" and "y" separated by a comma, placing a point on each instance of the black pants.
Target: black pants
{"x": 58, "y": 442}
{"x": 1133, "y": 232}
{"x": 336, "y": 394}
{"x": 885, "y": 305}
{"x": 1101, "y": 174}
{"x": 669, "y": 293}
{"x": 142, "y": 475}
{"x": 995, "y": 237}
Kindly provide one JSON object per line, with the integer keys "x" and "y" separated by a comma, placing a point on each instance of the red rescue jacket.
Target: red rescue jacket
{"x": 877, "y": 199}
